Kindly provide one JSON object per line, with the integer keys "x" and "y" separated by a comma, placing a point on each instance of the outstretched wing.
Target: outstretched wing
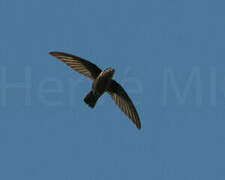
{"x": 78, "y": 64}
{"x": 121, "y": 98}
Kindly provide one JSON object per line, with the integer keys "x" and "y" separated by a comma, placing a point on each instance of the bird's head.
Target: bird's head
{"x": 110, "y": 70}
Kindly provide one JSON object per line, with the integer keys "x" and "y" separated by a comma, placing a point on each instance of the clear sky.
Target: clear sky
{"x": 168, "y": 55}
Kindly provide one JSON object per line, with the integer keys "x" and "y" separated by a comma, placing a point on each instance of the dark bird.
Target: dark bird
{"x": 102, "y": 82}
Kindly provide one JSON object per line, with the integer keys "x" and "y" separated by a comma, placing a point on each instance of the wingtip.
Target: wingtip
{"x": 58, "y": 53}
{"x": 139, "y": 127}
{"x": 52, "y": 53}
{"x": 138, "y": 123}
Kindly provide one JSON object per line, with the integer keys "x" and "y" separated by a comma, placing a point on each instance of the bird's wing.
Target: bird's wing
{"x": 78, "y": 64}
{"x": 121, "y": 98}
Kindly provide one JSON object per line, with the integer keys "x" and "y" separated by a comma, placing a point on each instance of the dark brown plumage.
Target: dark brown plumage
{"x": 102, "y": 82}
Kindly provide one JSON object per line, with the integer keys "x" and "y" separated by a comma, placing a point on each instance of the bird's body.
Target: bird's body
{"x": 99, "y": 86}
{"x": 102, "y": 82}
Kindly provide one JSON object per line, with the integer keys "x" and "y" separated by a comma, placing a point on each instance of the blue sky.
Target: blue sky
{"x": 168, "y": 55}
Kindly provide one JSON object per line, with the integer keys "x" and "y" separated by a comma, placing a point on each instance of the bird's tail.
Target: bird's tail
{"x": 91, "y": 99}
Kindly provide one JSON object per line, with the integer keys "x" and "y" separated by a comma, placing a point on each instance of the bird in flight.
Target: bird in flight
{"x": 102, "y": 82}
